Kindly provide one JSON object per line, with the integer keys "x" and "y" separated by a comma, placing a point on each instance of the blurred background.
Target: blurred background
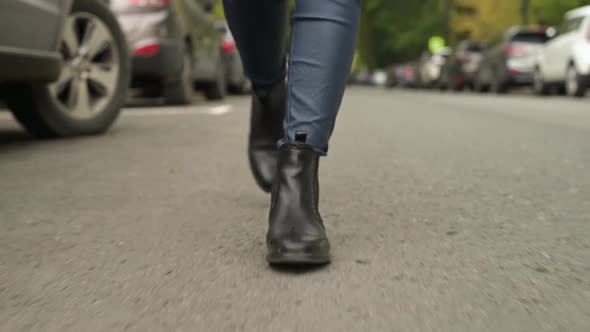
{"x": 397, "y": 31}
{"x": 462, "y": 210}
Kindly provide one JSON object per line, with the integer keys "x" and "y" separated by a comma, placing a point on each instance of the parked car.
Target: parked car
{"x": 379, "y": 78}
{"x": 460, "y": 67}
{"x": 430, "y": 67}
{"x": 175, "y": 46}
{"x": 564, "y": 62}
{"x": 403, "y": 76}
{"x": 64, "y": 65}
{"x": 237, "y": 82}
{"x": 510, "y": 60}
{"x": 363, "y": 77}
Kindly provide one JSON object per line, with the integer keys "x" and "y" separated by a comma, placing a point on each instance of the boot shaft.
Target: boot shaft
{"x": 295, "y": 194}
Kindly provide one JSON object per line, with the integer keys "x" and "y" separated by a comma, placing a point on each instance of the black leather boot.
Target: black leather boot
{"x": 296, "y": 233}
{"x": 266, "y": 128}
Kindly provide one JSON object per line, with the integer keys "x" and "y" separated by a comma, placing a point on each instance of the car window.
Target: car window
{"x": 530, "y": 37}
{"x": 573, "y": 24}
{"x": 474, "y": 48}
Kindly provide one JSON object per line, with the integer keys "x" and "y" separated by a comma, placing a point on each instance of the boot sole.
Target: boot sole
{"x": 297, "y": 259}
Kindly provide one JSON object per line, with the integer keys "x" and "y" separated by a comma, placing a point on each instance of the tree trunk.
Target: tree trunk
{"x": 525, "y": 6}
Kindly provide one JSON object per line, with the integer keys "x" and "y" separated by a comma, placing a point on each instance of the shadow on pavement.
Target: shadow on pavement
{"x": 136, "y": 100}
{"x": 14, "y": 136}
{"x": 298, "y": 269}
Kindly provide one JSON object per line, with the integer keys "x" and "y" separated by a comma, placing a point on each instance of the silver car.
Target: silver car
{"x": 175, "y": 47}
{"x": 64, "y": 65}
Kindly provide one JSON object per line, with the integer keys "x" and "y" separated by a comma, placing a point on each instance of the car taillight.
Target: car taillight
{"x": 150, "y": 49}
{"x": 150, "y": 3}
{"x": 513, "y": 72}
{"x": 514, "y": 50}
{"x": 228, "y": 46}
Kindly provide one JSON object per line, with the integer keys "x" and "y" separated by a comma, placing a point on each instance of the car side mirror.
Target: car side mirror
{"x": 552, "y": 32}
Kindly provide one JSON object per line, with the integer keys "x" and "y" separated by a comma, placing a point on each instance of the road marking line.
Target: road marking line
{"x": 168, "y": 111}
{"x": 218, "y": 110}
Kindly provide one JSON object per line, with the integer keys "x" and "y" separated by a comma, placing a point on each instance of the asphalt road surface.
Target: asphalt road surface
{"x": 446, "y": 212}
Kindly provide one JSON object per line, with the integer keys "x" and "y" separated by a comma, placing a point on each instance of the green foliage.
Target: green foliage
{"x": 218, "y": 9}
{"x": 551, "y": 11}
{"x": 394, "y": 31}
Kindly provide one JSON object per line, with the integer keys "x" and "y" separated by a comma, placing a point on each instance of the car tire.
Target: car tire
{"x": 244, "y": 87}
{"x": 574, "y": 85}
{"x": 479, "y": 87}
{"x": 181, "y": 92}
{"x": 457, "y": 87}
{"x": 498, "y": 86}
{"x": 560, "y": 90}
{"x": 217, "y": 89}
{"x": 452, "y": 85}
{"x": 91, "y": 90}
{"x": 540, "y": 87}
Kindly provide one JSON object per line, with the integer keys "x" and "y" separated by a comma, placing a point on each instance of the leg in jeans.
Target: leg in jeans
{"x": 322, "y": 48}
{"x": 260, "y": 31}
{"x": 259, "y": 28}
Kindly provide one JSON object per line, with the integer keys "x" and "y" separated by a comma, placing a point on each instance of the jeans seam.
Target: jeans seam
{"x": 289, "y": 85}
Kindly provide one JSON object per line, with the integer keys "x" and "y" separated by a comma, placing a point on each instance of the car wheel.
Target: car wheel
{"x": 498, "y": 86}
{"x": 458, "y": 87}
{"x": 478, "y": 86}
{"x": 574, "y": 86}
{"x": 452, "y": 85}
{"x": 244, "y": 87}
{"x": 217, "y": 89}
{"x": 540, "y": 87}
{"x": 442, "y": 83}
{"x": 88, "y": 96}
{"x": 181, "y": 92}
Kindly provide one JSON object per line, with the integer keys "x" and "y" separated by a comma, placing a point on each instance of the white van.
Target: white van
{"x": 565, "y": 60}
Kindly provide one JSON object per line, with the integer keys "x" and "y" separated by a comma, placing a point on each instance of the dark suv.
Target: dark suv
{"x": 64, "y": 65}
{"x": 175, "y": 47}
{"x": 510, "y": 61}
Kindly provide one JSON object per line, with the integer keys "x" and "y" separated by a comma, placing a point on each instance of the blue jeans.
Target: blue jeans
{"x": 322, "y": 49}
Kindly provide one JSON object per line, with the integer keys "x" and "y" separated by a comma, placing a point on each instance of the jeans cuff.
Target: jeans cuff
{"x": 321, "y": 152}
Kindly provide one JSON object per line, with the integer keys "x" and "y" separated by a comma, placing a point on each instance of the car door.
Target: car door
{"x": 490, "y": 60}
{"x": 21, "y": 22}
{"x": 544, "y": 58}
{"x": 561, "y": 49}
{"x": 565, "y": 52}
